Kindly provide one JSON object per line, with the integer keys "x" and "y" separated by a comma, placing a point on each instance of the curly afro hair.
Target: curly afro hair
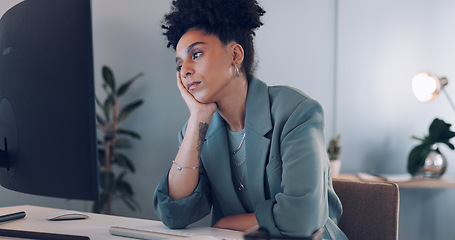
{"x": 229, "y": 20}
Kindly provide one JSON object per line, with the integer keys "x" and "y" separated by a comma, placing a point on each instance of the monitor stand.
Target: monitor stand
{"x": 8, "y": 143}
{"x": 4, "y": 159}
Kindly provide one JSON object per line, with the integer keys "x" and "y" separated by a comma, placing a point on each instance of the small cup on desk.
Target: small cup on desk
{"x": 335, "y": 166}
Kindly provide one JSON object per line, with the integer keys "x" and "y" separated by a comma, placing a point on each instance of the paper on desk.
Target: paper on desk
{"x": 385, "y": 177}
{"x": 397, "y": 177}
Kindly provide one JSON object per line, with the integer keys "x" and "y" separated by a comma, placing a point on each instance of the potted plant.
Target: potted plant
{"x": 333, "y": 151}
{"x": 426, "y": 159}
{"x": 114, "y": 164}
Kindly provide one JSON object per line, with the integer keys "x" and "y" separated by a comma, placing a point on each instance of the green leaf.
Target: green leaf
{"x": 108, "y": 106}
{"x": 100, "y": 119}
{"x": 138, "y": 206}
{"x": 126, "y": 111}
{"x": 125, "y": 162}
{"x": 440, "y": 131}
{"x": 122, "y": 143}
{"x": 121, "y": 176}
{"x": 106, "y": 88}
{"x": 417, "y": 138}
{"x": 124, "y": 87}
{"x": 103, "y": 108}
{"x": 128, "y": 203}
{"x": 416, "y": 158}
{"x": 131, "y": 203}
{"x": 125, "y": 188}
{"x": 129, "y": 133}
{"x": 447, "y": 136}
{"x": 98, "y": 103}
{"x": 107, "y": 181}
{"x": 450, "y": 145}
{"x": 99, "y": 205}
{"x": 109, "y": 79}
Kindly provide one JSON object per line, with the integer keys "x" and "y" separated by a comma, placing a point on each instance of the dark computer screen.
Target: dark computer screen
{"x": 47, "y": 107}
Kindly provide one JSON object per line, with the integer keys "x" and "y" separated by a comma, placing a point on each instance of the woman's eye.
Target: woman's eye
{"x": 196, "y": 55}
{"x": 179, "y": 68}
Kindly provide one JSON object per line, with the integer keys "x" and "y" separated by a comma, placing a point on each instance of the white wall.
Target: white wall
{"x": 296, "y": 47}
{"x": 378, "y": 48}
{"x": 381, "y": 45}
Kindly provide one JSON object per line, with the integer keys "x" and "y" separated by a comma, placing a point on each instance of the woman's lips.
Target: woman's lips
{"x": 192, "y": 85}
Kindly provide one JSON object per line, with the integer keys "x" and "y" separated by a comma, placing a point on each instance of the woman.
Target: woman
{"x": 252, "y": 153}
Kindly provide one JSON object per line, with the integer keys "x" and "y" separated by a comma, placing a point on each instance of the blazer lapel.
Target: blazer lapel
{"x": 215, "y": 152}
{"x": 258, "y": 123}
{"x": 215, "y": 157}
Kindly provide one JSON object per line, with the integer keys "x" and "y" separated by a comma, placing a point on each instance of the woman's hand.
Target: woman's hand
{"x": 182, "y": 181}
{"x": 195, "y": 107}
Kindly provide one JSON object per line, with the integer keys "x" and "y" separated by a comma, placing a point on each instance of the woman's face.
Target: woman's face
{"x": 205, "y": 65}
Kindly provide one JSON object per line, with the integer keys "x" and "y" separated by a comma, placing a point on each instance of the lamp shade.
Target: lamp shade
{"x": 426, "y": 86}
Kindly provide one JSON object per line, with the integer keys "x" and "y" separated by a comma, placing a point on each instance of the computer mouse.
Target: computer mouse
{"x": 66, "y": 215}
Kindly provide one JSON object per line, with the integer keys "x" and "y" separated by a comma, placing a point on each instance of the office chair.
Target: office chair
{"x": 370, "y": 209}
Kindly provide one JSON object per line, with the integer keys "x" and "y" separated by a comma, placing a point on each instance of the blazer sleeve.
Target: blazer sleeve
{"x": 180, "y": 213}
{"x": 302, "y": 206}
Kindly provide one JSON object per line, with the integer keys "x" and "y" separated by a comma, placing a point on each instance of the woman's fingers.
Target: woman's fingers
{"x": 192, "y": 103}
{"x": 182, "y": 88}
{"x": 187, "y": 96}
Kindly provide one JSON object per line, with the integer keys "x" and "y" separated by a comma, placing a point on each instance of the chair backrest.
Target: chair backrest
{"x": 370, "y": 209}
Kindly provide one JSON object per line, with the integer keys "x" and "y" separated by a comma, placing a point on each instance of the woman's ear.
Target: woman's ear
{"x": 237, "y": 54}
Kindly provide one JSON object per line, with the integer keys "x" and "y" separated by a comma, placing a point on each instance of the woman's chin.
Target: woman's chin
{"x": 202, "y": 99}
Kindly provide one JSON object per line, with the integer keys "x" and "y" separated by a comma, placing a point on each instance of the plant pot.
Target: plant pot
{"x": 335, "y": 166}
{"x": 435, "y": 164}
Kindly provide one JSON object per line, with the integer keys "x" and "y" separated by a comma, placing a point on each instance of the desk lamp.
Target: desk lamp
{"x": 427, "y": 86}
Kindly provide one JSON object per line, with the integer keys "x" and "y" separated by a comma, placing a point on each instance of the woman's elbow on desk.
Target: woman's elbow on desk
{"x": 241, "y": 222}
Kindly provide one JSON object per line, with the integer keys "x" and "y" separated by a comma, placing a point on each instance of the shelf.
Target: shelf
{"x": 443, "y": 182}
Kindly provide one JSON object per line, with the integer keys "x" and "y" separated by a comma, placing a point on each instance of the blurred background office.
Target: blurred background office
{"x": 357, "y": 57}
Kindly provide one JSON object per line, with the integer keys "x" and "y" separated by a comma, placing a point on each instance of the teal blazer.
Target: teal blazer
{"x": 288, "y": 169}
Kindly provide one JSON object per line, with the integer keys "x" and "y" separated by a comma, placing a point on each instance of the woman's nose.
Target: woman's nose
{"x": 186, "y": 70}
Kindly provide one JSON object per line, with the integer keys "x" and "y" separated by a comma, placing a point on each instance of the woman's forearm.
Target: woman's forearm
{"x": 183, "y": 176}
{"x": 241, "y": 222}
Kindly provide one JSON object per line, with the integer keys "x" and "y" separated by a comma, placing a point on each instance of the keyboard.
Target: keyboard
{"x": 160, "y": 232}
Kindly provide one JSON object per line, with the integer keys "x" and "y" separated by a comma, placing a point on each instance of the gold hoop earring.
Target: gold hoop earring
{"x": 237, "y": 73}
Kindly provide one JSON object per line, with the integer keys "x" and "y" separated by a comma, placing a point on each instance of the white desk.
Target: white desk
{"x": 96, "y": 226}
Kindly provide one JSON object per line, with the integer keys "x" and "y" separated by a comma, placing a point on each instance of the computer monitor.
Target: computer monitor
{"x": 47, "y": 102}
